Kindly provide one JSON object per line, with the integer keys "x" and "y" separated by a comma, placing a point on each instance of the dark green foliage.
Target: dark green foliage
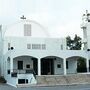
{"x": 73, "y": 44}
{"x": 69, "y": 42}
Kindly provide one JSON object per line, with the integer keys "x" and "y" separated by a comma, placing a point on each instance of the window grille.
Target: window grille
{"x": 28, "y": 46}
{"x": 43, "y": 46}
{"x": 27, "y": 29}
{"x": 36, "y": 46}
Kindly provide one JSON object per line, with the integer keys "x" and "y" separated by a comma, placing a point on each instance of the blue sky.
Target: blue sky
{"x": 59, "y": 17}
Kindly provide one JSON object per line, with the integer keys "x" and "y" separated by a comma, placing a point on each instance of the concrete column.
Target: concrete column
{"x": 39, "y": 67}
{"x": 64, "y": 66}
{"x": 11, "y": 64}
{"x": 87, "y": 64}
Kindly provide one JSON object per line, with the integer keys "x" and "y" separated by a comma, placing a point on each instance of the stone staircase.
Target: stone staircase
{"x": 63, "y": 80}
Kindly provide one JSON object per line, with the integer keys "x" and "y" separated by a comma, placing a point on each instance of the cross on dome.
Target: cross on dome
{"x": 23, "y": 17}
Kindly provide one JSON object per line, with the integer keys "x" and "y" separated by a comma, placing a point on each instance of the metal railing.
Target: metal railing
{"x": 24, "y": 71}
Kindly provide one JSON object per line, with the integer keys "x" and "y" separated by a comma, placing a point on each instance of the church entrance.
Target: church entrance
{"x": 47, "y": 66}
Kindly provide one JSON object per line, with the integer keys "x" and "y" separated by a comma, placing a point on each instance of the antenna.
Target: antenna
{"x": 23, "y": 17}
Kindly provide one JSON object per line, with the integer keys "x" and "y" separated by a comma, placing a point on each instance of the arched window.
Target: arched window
{"x": 8, "y": 65}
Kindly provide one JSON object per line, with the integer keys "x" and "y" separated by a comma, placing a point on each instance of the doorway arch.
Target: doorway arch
{"x": 49, "y": 65}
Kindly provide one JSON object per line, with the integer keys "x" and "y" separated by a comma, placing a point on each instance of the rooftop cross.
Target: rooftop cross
{"x": 23, "y": 17}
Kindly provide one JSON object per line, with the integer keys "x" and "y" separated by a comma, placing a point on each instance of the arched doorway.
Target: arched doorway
{"x": 8, "y": 65}
{"x": 25, "y": 63}
{"x": 76, "y": 64}
{"x": 51, "y": 65}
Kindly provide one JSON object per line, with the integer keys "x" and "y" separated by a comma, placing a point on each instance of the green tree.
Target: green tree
{"x": 69, "y": 42}
{"x": 73, "y": 44}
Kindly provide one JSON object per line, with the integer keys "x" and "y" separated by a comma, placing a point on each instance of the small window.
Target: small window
{"x": 26, "y": 80}
{"x": 21, "y": 81}
{"x": 8, "y": 59}
{"x": 27, "y": 29}
{"x": 33, "y": 46}
{"x": 88, "y": 20}
{"x": 28, "y": 46}
{"x": 13, "y": 74}
{"x": 66, "y": 64}
{"x": 8, "y": 46}
{"x": 58, "y": 65}
{"x": 61, "y": 47}
{"x": 43, "y": 46}
{"x": 8, "y": 71}
{"x": 28, "y": 66}
{"x": 36, "y": 46}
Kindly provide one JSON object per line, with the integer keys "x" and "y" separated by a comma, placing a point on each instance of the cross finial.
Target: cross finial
{"x": 23, "y": 17}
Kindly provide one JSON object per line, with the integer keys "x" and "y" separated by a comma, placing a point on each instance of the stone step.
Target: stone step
{"x": 63, "y": 80}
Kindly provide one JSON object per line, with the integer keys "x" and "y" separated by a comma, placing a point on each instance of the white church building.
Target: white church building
{"x": 27, "y": 49}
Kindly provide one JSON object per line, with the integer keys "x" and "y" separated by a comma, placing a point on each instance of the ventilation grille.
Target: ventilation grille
{"x": 27, "y": 29}
{"x": 36, "y": 46}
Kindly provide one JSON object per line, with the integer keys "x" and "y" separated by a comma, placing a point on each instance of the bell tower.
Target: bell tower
{"x": 86, "y": 30}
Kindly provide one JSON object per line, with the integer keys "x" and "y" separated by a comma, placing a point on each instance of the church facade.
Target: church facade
{"x": 28, "y": 50}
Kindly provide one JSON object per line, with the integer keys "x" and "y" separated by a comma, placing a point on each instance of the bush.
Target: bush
{"x": 2, "y": 79}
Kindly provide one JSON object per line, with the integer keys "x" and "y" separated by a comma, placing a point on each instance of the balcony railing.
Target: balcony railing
{"x": 23, "y": 71}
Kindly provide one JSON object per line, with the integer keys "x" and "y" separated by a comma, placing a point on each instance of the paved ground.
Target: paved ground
{"x": 73, "y": 87}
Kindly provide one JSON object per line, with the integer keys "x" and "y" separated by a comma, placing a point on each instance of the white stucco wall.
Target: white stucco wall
{"x": 17, "y": 29}
{"x": 30, "y": 77}
{"x": 11, "y": 80}
{"x": 72, "y": 65}
{"x": 21, "y": 43}
{"x": 58, "y": 71}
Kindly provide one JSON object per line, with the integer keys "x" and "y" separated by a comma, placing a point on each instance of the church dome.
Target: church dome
{"x": 26, "y": 28}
